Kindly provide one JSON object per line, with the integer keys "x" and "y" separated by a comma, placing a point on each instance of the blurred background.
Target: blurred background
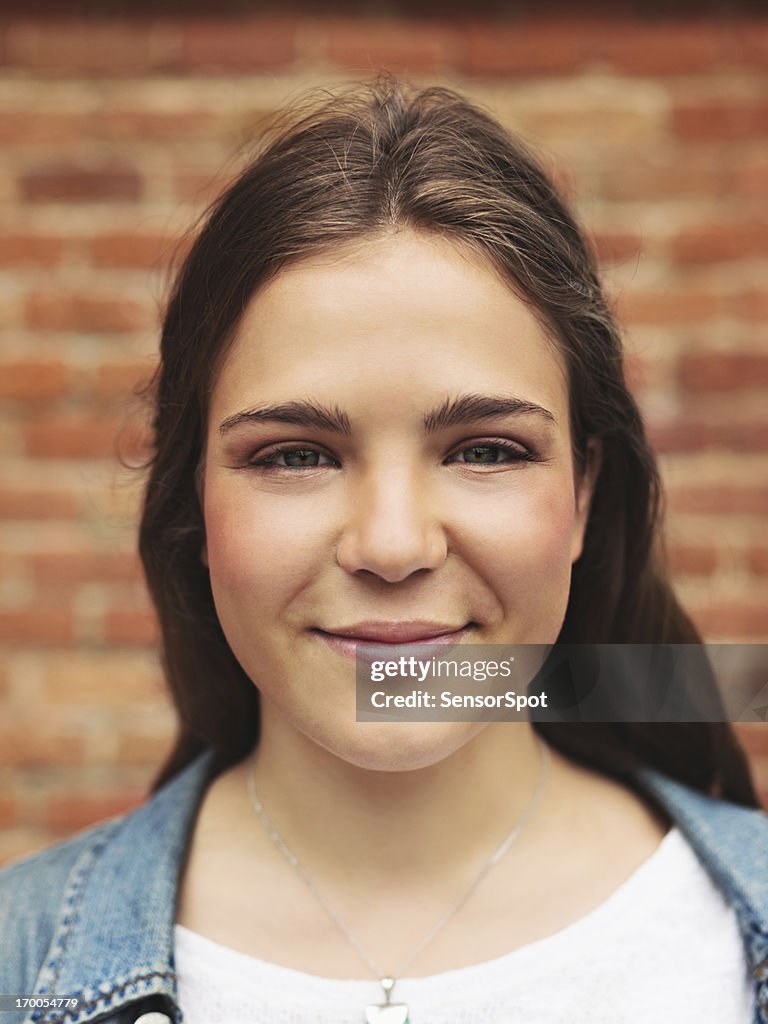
{"x": 119, "y": 122}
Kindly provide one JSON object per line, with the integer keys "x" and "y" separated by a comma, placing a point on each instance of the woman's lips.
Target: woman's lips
{"x": 369, "y": 650}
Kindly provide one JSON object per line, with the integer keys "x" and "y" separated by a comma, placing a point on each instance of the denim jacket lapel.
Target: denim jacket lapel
{"x": 114, "y": 939}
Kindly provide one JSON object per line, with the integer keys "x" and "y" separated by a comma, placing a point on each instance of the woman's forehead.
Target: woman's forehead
{"x": 421, "y": 274}
{"x": 407, "y": 311}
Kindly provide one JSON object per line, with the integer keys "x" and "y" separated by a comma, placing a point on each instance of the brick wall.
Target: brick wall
{"x": 116, "y": 132}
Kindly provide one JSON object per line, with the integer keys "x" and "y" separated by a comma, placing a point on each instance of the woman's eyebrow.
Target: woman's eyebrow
{"x": 301, "y": 414}
{"x": 453, "y": 412}
{"x": 471, "y": 408}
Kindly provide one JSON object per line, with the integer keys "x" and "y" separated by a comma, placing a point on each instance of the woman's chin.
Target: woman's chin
{"x": 400, "y": 746}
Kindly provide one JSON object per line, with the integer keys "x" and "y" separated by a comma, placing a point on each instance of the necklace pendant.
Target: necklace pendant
{"x": 387, "y": 1013}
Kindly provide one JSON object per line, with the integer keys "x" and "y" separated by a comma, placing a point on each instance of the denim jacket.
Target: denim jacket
{"x": 93, "y": 917}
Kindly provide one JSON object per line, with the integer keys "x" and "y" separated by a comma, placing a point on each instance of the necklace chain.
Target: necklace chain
{"x": 280, "y": 843}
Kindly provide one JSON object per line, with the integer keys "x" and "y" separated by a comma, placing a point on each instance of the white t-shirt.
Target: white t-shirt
{"x": 664, "y": 948}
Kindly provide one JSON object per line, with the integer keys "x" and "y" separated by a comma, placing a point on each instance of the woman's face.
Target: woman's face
{"x": 388, "y": 443}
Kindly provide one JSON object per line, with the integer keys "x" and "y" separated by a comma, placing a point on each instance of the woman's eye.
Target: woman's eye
{"x": 297, "y": 457}
{"x": 292, "y": 458}
{"x": 492, "y": 454}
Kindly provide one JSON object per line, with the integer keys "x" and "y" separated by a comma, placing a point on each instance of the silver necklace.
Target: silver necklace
{"x": 389, "y": 1012}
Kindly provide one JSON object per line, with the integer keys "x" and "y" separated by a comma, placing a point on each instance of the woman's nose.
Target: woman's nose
{"x": 392, "y": 529}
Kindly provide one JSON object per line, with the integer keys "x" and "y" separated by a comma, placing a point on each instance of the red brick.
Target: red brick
{"x": 732, "y": 619}
{"x": 722, "y": 371}
{"x": 567, "y": 125}
{"x": 78, "y": 183}
{"x": 750, "y": 178}
{"x": 37, "y": 503}
{"x": 131, "y": 627}
{"x": 250, "y": 123}
{"x": 200, "y": 187}
{"x": 675, "y": 305}
{"x": 757, "y": 559}
{"x": 637, "y": 371}
{"x": 18, "y": 127}
{"x": 242, "y": 44}
{"x": 660, "y": 177}
{"x": 692, "y": 559}
{"x": 154, "y": 125}
{"x": 72, "y": 311}
{"x": 33, "y": 380}
{"x": 100, "y": 679}
{"x": 82, "y": 45}
{"x": 83, "y": 566}
{"x": 751, "y": 305}
{"x": 568, "y": 44}
{"x": 9, "y": 811}
{"x": 142, "y": 750}
{"x": 68, "y": 814}
{"x": 27, "y": 744}
{"x": 721, "y": 243}
{"x": 614, "y": 247}
{"x": 748, "y": 43}
{"x": 564, "y": 177}
{"x": 36, "y": 626}
{"x": 753, "y": 737}
{"x": 494, "y": 49}
{"x": 694, "y": 435}
{"x": 116, "y": 380}
{"x": 73, "y": 436}
{"x": 721, "y": 120}
{"x": 759, "y": 767}
{"x": 719, "y": 499}
{"x": 24, "y": 250}
{"x": 370, "y": 44}
{"x": 127, "y": 249}
{"x": 671, "y": 47}
{"x": 66, "y": 129}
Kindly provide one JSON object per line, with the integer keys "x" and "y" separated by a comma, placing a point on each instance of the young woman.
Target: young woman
{"x": 391, "y": 409}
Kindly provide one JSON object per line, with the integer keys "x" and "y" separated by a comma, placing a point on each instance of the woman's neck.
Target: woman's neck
{"x": 372, "y": 827}
{"x": 393, "y": 852}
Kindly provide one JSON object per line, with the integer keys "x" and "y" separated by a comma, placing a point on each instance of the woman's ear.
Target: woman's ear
{"x": 585, "y": 489}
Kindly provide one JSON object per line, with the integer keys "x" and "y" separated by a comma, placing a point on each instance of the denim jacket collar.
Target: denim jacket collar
{"x": 137, "y": 857}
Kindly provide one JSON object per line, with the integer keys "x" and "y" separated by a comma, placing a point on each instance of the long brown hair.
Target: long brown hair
{"x": 374, "y": 158}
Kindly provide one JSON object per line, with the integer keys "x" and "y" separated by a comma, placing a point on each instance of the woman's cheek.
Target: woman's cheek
{"x": 540, "y": 521}
{"x": 529, "y": 546}
{"x": 554, "y": 538}
{"x": 255, "y": 541}
{"x": 236, "y": 543}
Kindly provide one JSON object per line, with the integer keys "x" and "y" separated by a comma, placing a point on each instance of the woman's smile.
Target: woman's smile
{"x": 373, "y": 640}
